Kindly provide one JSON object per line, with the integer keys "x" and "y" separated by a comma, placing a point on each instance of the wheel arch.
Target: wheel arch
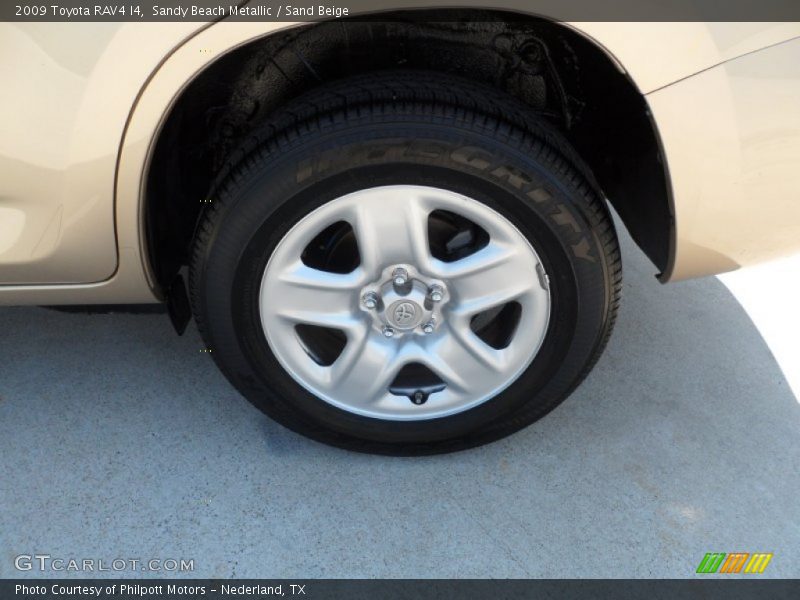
{"x": 588, "y": 94}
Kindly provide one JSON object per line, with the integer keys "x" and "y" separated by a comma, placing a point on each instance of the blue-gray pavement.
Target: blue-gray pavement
{"x": 119, "y": 439}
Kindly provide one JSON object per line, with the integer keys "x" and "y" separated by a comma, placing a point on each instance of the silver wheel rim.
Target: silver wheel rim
{"x": 402, "y": 305}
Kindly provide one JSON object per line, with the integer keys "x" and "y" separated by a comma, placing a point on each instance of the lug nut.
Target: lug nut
{"x": 370, "y": 300}
{"x": 436, "y": 292}
{"x": 388, "y": 332}
{"x": 400, "y": 276}
{"x": 429, "y": 327}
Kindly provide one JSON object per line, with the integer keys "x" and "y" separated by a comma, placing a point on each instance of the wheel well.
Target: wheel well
{"x": 553, "y": 69}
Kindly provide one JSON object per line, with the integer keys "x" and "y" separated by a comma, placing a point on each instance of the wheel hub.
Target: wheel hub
{"x": 403, "y": 302}
{"x": 405, "y": 314}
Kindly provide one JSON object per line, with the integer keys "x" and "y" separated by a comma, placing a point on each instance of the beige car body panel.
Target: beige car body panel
{"x": 82, "y": 105}
{"x": 731, "y": 136}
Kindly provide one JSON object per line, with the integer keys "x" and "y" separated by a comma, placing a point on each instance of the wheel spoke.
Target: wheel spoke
{"x": 365, "y": 369}
{"x": 463, "y": 361}
{"x": 305, "y": 295}
{"x": 493, "y": 276}
{"x": 392, "y": 228}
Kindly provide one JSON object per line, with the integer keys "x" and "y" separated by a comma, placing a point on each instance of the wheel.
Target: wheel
{"x": 405, "y": 263}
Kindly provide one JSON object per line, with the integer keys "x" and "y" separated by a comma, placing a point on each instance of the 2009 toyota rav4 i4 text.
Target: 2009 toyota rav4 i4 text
{"x": 397, "y": 231}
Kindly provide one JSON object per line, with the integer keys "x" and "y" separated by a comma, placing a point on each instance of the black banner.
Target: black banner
{"x": 316, "y": 10}
{"x": 359, "y": 589}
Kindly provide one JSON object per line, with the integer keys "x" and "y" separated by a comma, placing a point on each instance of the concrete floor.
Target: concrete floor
{"x": 119, "y": 439}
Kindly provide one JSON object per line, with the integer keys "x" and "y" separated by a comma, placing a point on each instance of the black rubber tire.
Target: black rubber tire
{"x": 406, "y": 128}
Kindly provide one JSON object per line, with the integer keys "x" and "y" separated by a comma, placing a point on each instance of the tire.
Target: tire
{"x": 358, "y": 145}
